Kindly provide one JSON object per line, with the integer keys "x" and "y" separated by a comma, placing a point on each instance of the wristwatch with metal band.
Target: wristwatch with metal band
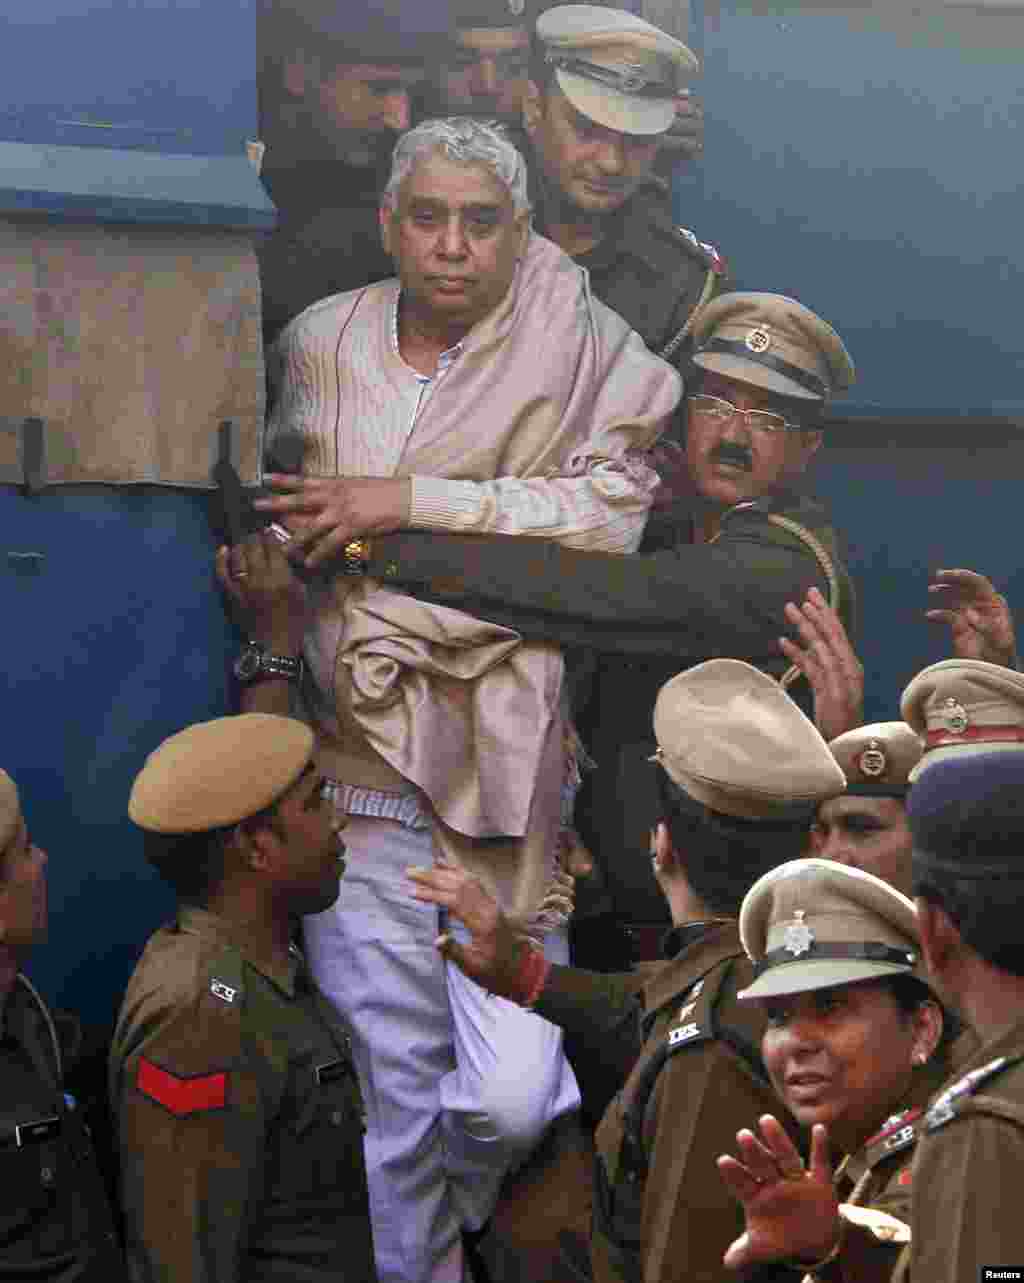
{"x": 255, "y": 664}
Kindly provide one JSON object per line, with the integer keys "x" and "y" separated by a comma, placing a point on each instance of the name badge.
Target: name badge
{"x": 34, "y": 1133}
{"x": 330, "y": 1072}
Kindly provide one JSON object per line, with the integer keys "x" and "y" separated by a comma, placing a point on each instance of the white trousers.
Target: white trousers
{"x": 458, "y": 1086}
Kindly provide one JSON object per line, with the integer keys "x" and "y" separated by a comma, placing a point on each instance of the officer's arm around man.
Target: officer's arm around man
{"x": 765, "y": 366}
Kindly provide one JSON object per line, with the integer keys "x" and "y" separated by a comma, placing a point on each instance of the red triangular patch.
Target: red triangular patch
{"x": 181, "y": 1096}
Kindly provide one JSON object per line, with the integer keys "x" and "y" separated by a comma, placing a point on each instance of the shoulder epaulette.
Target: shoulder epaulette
{"x": 948, "y": 1105}
{"x": 900, "y": 1132}
{"x": 716, "y": 260}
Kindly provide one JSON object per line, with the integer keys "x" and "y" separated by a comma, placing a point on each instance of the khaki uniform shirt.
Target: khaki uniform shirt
{"x": 663, "y": 1215}
{"x": 874, "y": 1187}
{"x": 969, "y": 1171}
{"x": 55, "y": 1221}
{"x": 240, "y": 1123}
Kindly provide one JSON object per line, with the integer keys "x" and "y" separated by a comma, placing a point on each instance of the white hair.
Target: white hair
{"x": 468, "y": 142}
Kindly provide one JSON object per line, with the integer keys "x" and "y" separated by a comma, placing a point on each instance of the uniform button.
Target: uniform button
{"x": 46, "y": 1175}
{"x": 337, "y": 1117}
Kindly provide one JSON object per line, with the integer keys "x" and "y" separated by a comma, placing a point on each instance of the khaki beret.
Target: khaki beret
{"x": 877, "y": 759}
{"x": 217, "y": 773}
{"x": 965, "y": 706}
{"x": 615, "y": 68}
{"x": 772, "y": 342}
{"x": 732, "y": 738}
{"x": 810, "y": 924}
{"x": 10, "y": 810}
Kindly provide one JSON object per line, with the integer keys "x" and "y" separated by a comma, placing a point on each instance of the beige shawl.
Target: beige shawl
{"x": 550, "y": 384}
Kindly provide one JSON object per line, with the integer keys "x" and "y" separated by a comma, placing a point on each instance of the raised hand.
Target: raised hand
{"x": 979, "y": 618}
{"x": 827, "y": 659}
{"x": 792, "y": 1211}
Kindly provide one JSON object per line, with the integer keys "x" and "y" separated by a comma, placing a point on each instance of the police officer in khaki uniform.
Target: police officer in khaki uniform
{"x": 239, "y": 1113}
{"x": 866, "y": 827}
{"x": 601, "y": 99}
{"x": 855, "y": 1044}
{"x": 739, "y": 769}
{"x": 55, "y": 1221}
{"x": 966, "y": 811}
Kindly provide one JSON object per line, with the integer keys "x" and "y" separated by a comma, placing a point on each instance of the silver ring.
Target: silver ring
{"x": 240, "y": 574}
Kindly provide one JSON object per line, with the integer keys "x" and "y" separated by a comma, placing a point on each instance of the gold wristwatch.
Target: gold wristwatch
{"x": 356, "y": 557}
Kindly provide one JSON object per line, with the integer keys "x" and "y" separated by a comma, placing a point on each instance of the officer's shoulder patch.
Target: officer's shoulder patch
{"x": 715, "y": 259}
{"x": 950, "y": 1102}
{"x": 899, "y": 1132}
{"x": 685, "y": 1030}
{"x": 181, "y": 1095}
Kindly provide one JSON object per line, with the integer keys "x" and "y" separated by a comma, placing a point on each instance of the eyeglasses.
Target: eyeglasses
{"x": 714, "y": 410}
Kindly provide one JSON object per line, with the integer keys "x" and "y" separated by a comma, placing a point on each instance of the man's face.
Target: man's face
{"x": 308, "y": 864}
{"x": 23, "y": 903}
{"x": 731, "y": 463}
{"x": 485, "y": 73}
{"x": 868, "y": 833}
{"x": 455, "y": 239}
{"x": 362, "y": 106}
{"x": 595, "y": 170}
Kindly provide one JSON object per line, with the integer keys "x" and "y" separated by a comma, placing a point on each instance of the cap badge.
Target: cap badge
{"x": 758, "y": 339}
{"x": 873, "y": 761}
{"x": 798, "y": 936}
{"x": 632, "y": 77}
{"x": 955, "y": 716}
{"x": 517, "y": 8}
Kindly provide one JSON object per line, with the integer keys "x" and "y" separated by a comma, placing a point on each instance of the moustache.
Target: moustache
{"x": 734, "y": 454}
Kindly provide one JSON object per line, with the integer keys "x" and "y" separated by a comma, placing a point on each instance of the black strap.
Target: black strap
{"x": 33, "y": 456}
{"x": 804, "y": 378}
{"x": 633, "y": 83}
{"x": 869, "y": 951}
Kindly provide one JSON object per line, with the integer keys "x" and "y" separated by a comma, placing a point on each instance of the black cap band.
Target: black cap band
{"x": 631, "y": 82}
{"x": 869, "y": 951}
{"x": 898, "y": 791}
{"x": 804, "y": 378}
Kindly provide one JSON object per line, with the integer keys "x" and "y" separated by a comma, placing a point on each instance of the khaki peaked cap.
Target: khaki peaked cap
{"x": 965, "y": 706}
{"x": 217, "y": 773}
{"x": 732, "y": 738}
{"x": 10, "y": 810}
{"x": 811, "y": 924}
{"x": 877, "y": 759}
{"x": 615, "y": 68}
{"x": 771, "y": 342}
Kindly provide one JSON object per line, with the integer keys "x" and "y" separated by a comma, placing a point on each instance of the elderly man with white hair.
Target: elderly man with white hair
{"x": 484, "y": 390}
